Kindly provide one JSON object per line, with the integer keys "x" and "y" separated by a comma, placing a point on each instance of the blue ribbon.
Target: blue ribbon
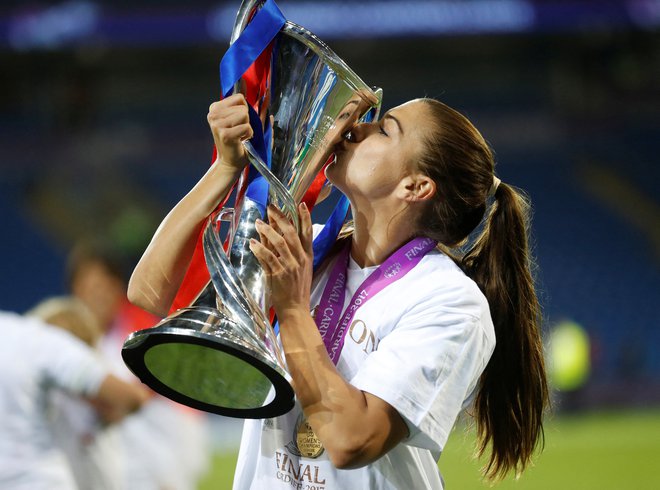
{"x": 257, "y": 189}
{"x": 326, "y": 238}
{"x": 254, "y": 39}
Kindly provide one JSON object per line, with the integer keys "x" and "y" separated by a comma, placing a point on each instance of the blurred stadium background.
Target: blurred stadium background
{"x": 103, "y": 128}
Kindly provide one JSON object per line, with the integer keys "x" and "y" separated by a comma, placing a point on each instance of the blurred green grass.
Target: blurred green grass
{"x": 605, "y": 450}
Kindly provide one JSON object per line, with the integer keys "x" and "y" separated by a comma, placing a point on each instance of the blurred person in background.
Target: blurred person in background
{"x": 92, "y": 446}
{"x": 36, "y": 361}
{"x": 458, "y": 331}
{"x": 165, "y": 446}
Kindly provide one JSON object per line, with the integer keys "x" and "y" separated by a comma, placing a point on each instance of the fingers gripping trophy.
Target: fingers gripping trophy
{"x": 221, "y": 354}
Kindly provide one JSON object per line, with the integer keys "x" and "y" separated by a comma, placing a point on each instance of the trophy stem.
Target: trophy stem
{"x": 276, "y": 188}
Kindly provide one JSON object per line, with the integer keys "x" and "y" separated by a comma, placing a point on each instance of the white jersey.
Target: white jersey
{"x": 162, "y": 445}
{"x": 92, "y": 448}
{"x": 35, "y": 359}
{"x": 421, "y": 345}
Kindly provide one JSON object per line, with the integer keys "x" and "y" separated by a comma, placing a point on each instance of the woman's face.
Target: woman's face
{"x": 100, "y": 290}
{"x": 374, "y": 157}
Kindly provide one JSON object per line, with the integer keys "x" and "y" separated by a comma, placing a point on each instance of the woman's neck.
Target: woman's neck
{"x": 378, "y": 236}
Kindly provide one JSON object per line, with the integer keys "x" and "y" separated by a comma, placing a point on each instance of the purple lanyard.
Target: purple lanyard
{"x": 397, "y": 265}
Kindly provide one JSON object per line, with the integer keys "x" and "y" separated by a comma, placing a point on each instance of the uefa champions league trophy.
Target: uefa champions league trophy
{"x": 221, "y": 354}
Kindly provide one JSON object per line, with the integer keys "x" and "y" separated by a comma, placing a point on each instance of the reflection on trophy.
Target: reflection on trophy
{"x": 221, "y": 354}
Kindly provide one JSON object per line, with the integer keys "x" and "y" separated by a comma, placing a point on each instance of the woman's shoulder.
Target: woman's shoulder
{"x": 440, "y": 282}
{"x": 444, "y": 274}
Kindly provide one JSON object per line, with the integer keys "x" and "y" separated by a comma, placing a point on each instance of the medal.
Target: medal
{"x": 308, "y": 443}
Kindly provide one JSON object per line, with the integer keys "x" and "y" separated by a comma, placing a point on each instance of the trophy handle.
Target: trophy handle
{"x": 282, "y": 195}
{"x": 227, "y": 215}
{"x": 374, "y": 113}
{"x": 228, "y": 285}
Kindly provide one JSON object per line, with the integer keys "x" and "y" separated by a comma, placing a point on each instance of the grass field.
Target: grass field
{"x": 609, "y": 450}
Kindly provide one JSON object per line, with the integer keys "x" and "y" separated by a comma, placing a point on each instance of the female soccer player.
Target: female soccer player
{"x": 406, "y": 331}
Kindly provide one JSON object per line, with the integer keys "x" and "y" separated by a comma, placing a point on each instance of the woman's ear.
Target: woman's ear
{"x": 417, "y": 187}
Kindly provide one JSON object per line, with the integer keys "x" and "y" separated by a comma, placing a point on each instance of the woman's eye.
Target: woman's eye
{"x": 382, "y": 131}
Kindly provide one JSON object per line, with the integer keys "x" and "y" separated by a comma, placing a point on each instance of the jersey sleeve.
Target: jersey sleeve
{"x": 70, "y": 364}
{"x": 427, "y": 367}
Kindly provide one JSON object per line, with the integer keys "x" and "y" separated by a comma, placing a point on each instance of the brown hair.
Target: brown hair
{"x": 513, "y": 393}
{"x": 92, "y": 251}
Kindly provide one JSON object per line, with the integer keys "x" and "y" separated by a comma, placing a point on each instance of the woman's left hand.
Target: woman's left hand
{"x": 287, "y": 259}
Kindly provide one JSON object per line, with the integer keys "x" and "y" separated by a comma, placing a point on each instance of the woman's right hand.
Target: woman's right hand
{"x": 230, "y": 125}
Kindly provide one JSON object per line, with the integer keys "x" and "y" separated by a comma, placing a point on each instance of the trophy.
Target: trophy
{"x": 221, "y": 354}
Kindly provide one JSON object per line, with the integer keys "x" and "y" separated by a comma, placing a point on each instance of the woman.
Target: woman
{"x": 379, "y": 394}
{"x": 37, "y": 361}
{"x": 91, "y": 446}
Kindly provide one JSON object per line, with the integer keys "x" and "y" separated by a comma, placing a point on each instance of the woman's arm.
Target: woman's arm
{"x": 355, "y": 427}
{"x": 159, "y": 273}
{"x": 117, "y": 398}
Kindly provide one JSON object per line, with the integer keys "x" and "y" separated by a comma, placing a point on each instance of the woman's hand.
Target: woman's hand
{"x": 287, "y": 259}
{"x": 230, "y": 125}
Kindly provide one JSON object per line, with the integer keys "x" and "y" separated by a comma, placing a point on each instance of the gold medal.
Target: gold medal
{"x": 308, "y": 443}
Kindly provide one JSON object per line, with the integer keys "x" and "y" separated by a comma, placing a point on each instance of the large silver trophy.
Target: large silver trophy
{"x": 221, "y": 354}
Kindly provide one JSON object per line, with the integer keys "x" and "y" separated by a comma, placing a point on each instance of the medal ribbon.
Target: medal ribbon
{"x": 327, "y": 318}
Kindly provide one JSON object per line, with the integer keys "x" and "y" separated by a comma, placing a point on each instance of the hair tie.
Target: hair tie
{"x": 493, "y": 188}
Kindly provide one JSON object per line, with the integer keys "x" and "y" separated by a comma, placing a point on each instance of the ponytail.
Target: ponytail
{"x": 513, "y": 393}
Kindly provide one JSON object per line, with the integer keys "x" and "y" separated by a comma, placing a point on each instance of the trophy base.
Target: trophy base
{"x": 197, "y": 358}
